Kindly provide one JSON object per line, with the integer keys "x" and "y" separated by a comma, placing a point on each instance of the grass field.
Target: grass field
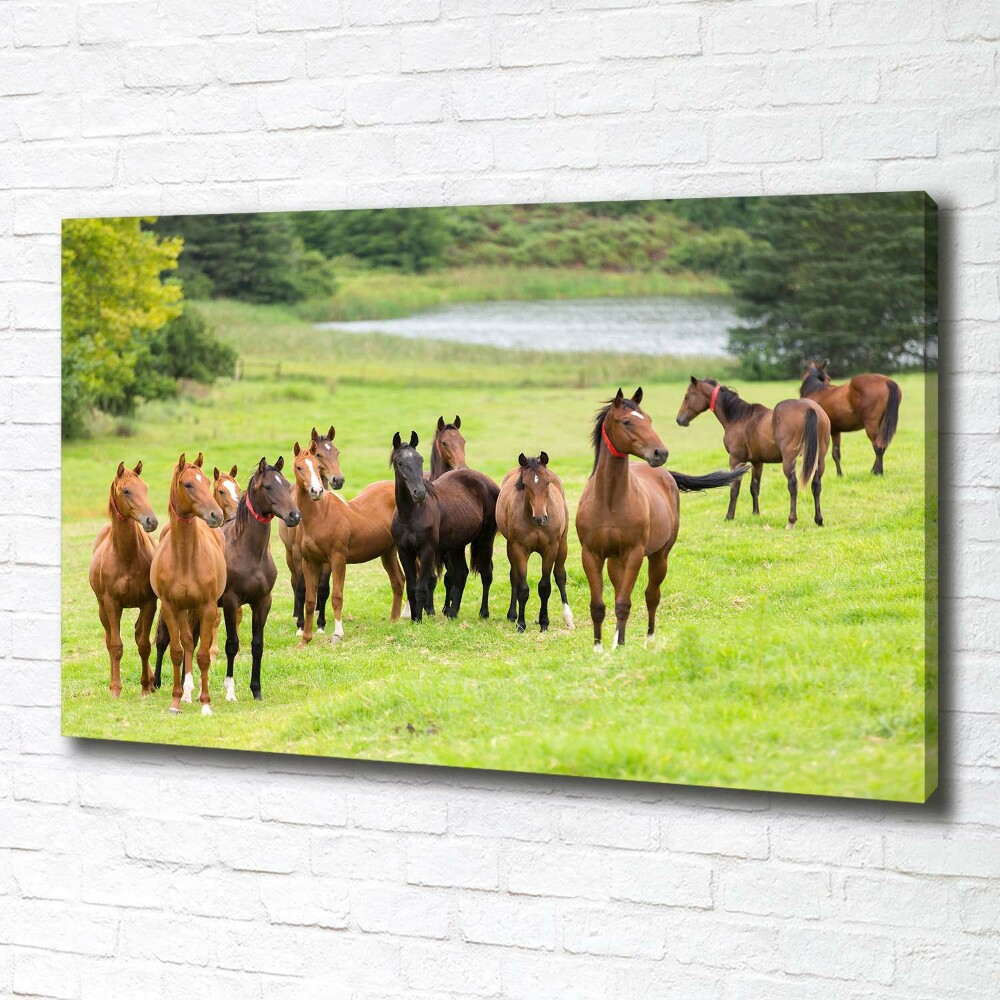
{"x": 783, "y": 660}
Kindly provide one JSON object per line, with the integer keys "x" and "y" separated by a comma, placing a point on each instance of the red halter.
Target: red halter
{"x": 263, "y": 520}
{"x": 177, "y": 513}
{"x": 614, "y": 451}
{"x": 715, "y": 396}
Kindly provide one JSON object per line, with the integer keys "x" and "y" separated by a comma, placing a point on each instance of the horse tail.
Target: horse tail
{"x": 482, "y": 545}
{"x": 810, "y": 445}
{"x": 711, "y": 481}
{"x": 890, "y": 417}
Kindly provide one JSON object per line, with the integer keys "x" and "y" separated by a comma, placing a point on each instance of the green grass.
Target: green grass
{"x": 387, "y": 295}
{"x": 783, "y": 660}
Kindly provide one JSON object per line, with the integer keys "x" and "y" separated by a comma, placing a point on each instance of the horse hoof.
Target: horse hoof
{"x": 320, "y": 630}
{"x": 405, "y": 613}
{"x": 484, "y": 614}
{"x": 543, "y": 628}
{"x": 301, "y": 644}
{"x": 598, "y": 648}
{"x": 230, "y": 686}
{"x": 519, "y": 627}
{"x": 790, "y": 525}
{"x": 335, "y": 639}
{"x": 257, "y": 696}
{"x": 511, "y": 617}
{"x": 174, "y": 710}
{"x": 206, "y": 709}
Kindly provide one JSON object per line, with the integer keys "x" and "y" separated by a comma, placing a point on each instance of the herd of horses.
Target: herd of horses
{"x": 213, "y": 556}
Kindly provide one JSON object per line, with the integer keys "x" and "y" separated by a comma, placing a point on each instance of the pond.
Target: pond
{"x": 647, "y": 325}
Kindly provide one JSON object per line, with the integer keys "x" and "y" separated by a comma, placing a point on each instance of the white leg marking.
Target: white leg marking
{"x": 614, "y": 641}
{"x": 568, "y": 617}
{"x": 598, "y": 648}
{"x": 230, "y": 685}
{"x": 320, "y": 631}
{"x": 188, "y": 688}
{"x": 405, "y": 613}
{"x": 338, "y": 631}
{"x": 206, "y": 709}
{"x": 298, "y": 631}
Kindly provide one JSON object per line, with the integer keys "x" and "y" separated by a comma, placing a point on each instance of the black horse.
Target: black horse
{"x": 250, "y": 569}
{"x": 434, "y": 522}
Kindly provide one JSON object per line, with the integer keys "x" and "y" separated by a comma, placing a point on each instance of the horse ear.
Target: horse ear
{"x": 138, "y": 468}
{"x": 296, "y": 449}
{"x": 182, "y": 461}
{"x": 521, "y": 460}
{"x": 262, "y": 464}
{"x": 313, "y": 448}
{"x": 216, "y": 472}
{"x": 694, "y": 381}
{"x": 440, "y": 424}
{"x": 458, "y": 422}
{"x": 637, "y": 396}
{"x": 620, "y": 396}
{"x": 414, "y": 440}
{"x": 313, "y": 435}
{"x": 200, "y": 460}
{"x": 280, "y": 464}
{"x": 121, "y": 470}
{"x": 232, "y": 472}
{"x": 397, "y": 441}
{"x": 333, "y": 432}
{"x": 543, "y": 458}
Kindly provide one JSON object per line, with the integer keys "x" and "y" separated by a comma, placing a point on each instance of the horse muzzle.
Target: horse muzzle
{"x": 316, "y": 494}
{"x": 683, "y": 421}
{"x": 540, "y": 519}
{"x": 214, "y": 519}
{"x": 337, "y": 483}
{"x": 419, "y": 496}
{"x": 657, "y": 457}
{"x": 149, "y": 523}
{"x": 292, "y": 518}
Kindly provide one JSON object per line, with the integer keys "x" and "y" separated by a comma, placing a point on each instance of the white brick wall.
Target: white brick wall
{"x": 145, "y": 871}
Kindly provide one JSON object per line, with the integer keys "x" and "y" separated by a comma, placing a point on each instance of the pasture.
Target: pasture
{"x": 783, "y": 660}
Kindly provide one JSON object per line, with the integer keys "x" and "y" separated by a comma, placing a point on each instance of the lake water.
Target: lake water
{"x": 647, "y": 325}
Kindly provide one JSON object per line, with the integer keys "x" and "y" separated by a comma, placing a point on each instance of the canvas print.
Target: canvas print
{"x": 641, "y": 490}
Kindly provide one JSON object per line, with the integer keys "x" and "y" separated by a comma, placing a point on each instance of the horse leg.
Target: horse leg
{"x": 162, "y": 644}
{"x": 593, "y": 566}
{"x": 545, "y": 588}
{"x": 560, "y": 575}
{"x": 408, "y": 561}
{"x": 657, "y": 573}
{"x": 322, "y": 596}
{"x": 817, "y": 488}
{"x": 835, "y": 441}
{"x": 519, "y": 580}
{"x": 626, "y": 570}
{"x": 260, "y": 611}
{"x": 111, "y": 618}
{"x": 793, "y": 490}
{"x": 185, "y": 618}
{"x": 486, "y": 578}
{"x": 143, "y": 626}
{"x": 209, "y": 621}
{"x": 300, "y": 600}
{"x": 758, "y": 468}
{"x": 734, "y": 489}
{"x": 512, "y": 610}
{"x": 310, "y": 573}
{"x": 213, "y": 650}
{"x": 170, "y": 620}
{"x": 426, "y": 577}
{"x": 230, "y": 608}
{"x": 396, "y": 580}
{"x": 338, "y": 572}
{"x": 457, "y": 568}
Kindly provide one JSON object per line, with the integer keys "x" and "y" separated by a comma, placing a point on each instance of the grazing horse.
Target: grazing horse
{"x": 532, "y": 516}
{"x": 334, "y": 532}
{"x": 119, "y": 571}
{"x": 629, "y": 512}
{"x": 434, "y": 521}
{"x": 226, "y": 491}
{"x": 447, "y": 449}
{"x": 188, "y": 573}
{"x": 756, "y": 434}
{"x": 868, "y": 401}
{"x": 328, "y": 460}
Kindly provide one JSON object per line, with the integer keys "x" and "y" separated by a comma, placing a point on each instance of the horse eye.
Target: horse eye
{"x": 127, "y": 492}
{"x": 628, "y": 423}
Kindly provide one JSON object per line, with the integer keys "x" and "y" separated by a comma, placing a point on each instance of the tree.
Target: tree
{"x": 844, "y": 277}
{"x": 113, "y": 303}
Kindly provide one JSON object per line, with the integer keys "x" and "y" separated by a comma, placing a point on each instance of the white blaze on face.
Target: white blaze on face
{"x": 314, "y": 480}
{"x": 638, "y": 415}
{"x": 230, "y": 486}
{"x": 536, "y": 480}
{"x": 197, "y": 476}
{"x": 277, "y": 478}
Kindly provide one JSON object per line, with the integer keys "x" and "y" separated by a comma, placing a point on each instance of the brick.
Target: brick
{"x": 537, "y": 42}
{"x": 958, "y": 852}
{"x": 680, "y": 141}
{"x": 345, "y": 54}
{"x": 936, "y": 79}
{"x": 896, "y": 901}
{"x": 872, "y": 23}
{"x": 453, "y": 862}
{"x": 699, "y": 833}
{"x": 771, "y": 139}
{"x": 759, "y": 28}
{"x": 516, "y": 922}
{"x": 111, "y": 23}
{"x": 308, "y": 901}
{"x": 444, "y": 968}
{"x": 833, "y": 954}
{"x": 650, "y": 34}
{"x": 395, "y": 102}
{"x": 444, "y": 151}
{"x": 527, "y": 976}
{"x": 770, "y": 891}
{"x": 444, "y": 46}
{"x": 185, "y": 18}
{"x": 608, "y": 828}
{"x": 398, "y": 810}
{"x": 292, "y": 15}
{"x": 971, "y": 20}
{"x": 406, "y": 911}
{"x": 540, "y": 146}
{"x": 292, "y": 105}
{"x": 170, "y": 65}
{"x": 505, "y": 95}
{"x": 482, "y": 815}
{"x": 42, "y": 24}
{"x": 309, "y": 801}
{"x": 39, "y": 973}
{"x": 661, "y": 879}
{"x": 258, "y": 60}
{"x": 621, "y": 932}
{"x": 391, "y": 11}
{"x": 549, "y": 871}
{"x": 822, "y": 81}
{"x": 883, "y": 135}
{"x": 356, "y": 855}
{"x": 577, "y": 92}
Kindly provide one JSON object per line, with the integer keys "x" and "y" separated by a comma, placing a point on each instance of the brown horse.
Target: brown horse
{"x": 334, "y": 532}
{"x": 226, "y": 491}
{"x": 868, "y": 401}
{"x": 532, "y": 516}
{"x": 119, "y": 571}
{"x": 328, "y": 461}
{"x": 629, "y": 512}
{"x": 188, "y": 573}
{"x": 756, "y": 434}
{"x": 447, "y": 448}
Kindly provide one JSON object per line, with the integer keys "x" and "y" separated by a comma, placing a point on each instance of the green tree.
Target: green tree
{"x": 845, "y": 277}
{"x": 113, "y": 300}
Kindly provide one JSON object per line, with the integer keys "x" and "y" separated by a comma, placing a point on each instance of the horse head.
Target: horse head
{"x": 226, "y": 491}
{"x": 328, "y": 458}
{"x": 408, "y": 465}
{"x": 129, "y": 497}
{"x": 628, "y": 430}
{"x": 536, "y": 480}
{"x": 191, "y": 494}
{"x": 307, "y": 468}
{"x": 269, "y": 494}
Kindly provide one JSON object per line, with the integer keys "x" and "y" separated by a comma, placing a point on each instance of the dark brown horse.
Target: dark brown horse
{"x": 328, "y": 460}
{"x": 447, "y": 448}
{"x": 434, "y": 521}
{"x": 757, "y": 434}
{"x": 226, "y": 491}
{"x": 532, "y": 516}
{"x": 335, "y": 532}
{"x": 867, "y": 401}
{"x": 119, "y": 571}
{"x": 188, "y": 573}
{"x": 629, "y": 511}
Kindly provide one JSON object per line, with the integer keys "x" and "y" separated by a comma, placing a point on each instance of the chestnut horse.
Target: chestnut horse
{"x": 532, "y": 516}
{"x": 226, "y": 491}
{"x": 334, "y": 532}
{"x": 328, "y": 461}
{"x": 188, "y": 573}
{"x": 868, "y": 401}
{"x": 119, "y": 571}
{"x": 447, "y": 449}
{"x": 756, "y": 434}
{"x": 434, "y": 521}
{"x": 629, "y": 512}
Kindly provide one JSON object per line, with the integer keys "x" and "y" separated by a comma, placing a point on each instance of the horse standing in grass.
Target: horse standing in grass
{"x": 327, "y": 457}
{"x": 434, "y": 521}
{"x": 532, "y": 516}
{"x": 226, "y": 492}
{"x": 868, "y": 401}
{"x": 188, "y": 573}
{"x": 629, "y": 512}
{"x": 447, "y": 448}
{"x": 119, "y": 571}
{"x": 756, "y": 434}
{"x": 334, "y": 532}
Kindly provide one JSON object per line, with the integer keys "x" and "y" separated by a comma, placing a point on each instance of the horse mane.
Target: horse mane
{"x": 733, "y": 406}
{"x": 814, "y": 381}
{"x": 595, "y": 436}
{"x": 242, "y": 514}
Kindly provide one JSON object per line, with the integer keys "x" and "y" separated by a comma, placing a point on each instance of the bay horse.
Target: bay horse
{"x": 328, "y": 461}
{"x": 434, "y": 521}
{"x": 188, "y": 573}
{"x": 447, "y": 448}
{"x": 335, "y": 532}
{"x": 629, "y": 511}
{"x": 532, "y": 516}
{"x": 869, "y": 401}
{"x": 226, "y": 491}
{"x": 119, "y": 571}
{"x": 757, "y": 434}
